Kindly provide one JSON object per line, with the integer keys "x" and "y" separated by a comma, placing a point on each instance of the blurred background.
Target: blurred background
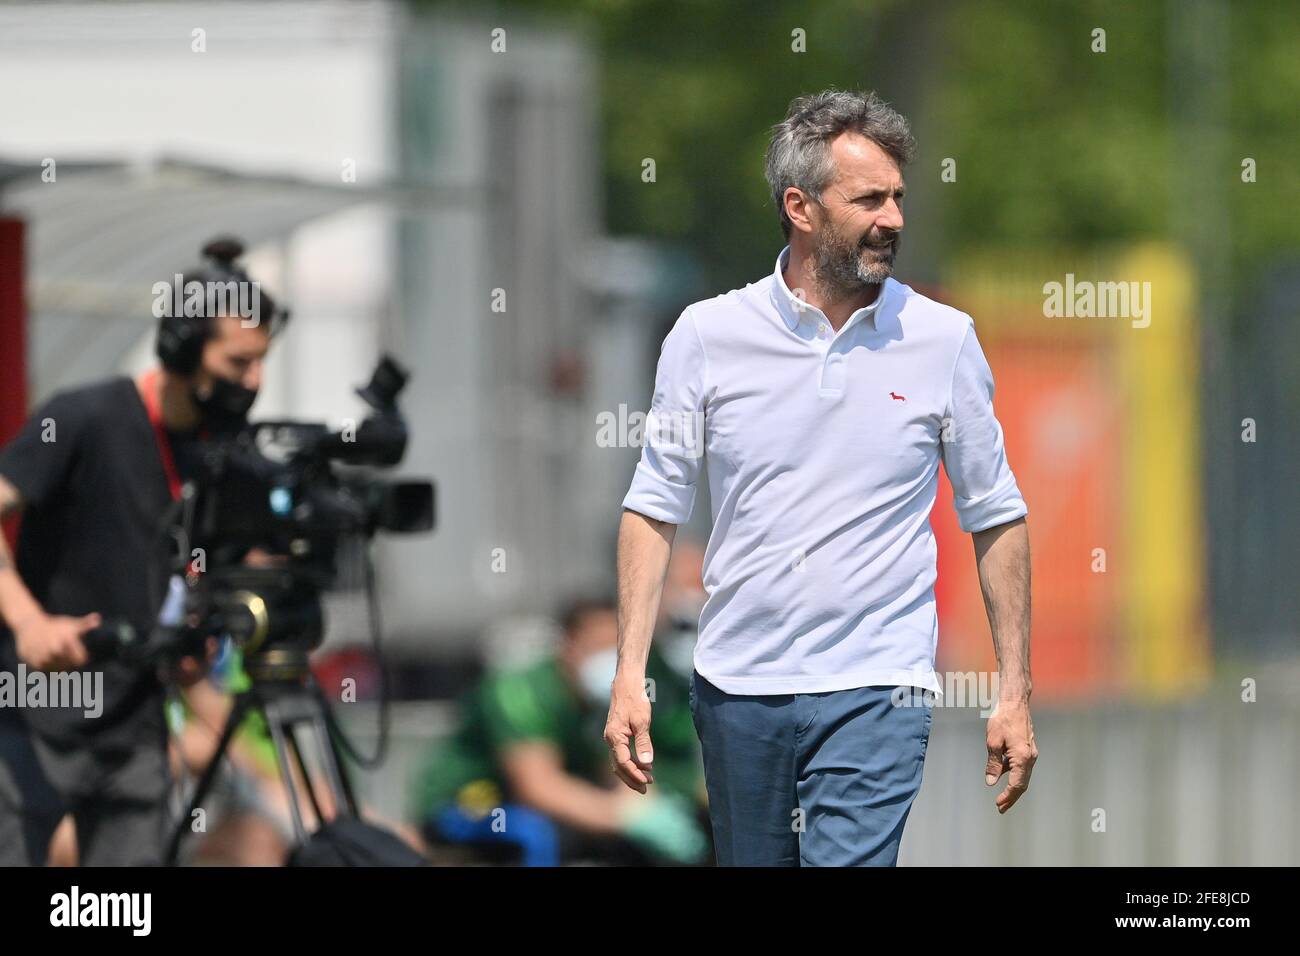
{"x": 517, "y": 200}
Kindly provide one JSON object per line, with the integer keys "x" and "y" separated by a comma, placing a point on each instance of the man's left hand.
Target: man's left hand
{"x": 1011, "y": 747}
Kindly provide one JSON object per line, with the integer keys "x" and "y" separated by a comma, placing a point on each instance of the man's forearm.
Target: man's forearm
{"x": 574, "y": 802}
{"x": 1002, "y": 555}
{"x": 644, "y": 546}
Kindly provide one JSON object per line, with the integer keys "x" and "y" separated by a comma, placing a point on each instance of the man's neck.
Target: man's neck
{"x": 836, "y": 304}
{"x": 179, "y": 413}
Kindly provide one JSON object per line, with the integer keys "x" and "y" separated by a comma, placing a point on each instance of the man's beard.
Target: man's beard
{"x": 844, "y": 266}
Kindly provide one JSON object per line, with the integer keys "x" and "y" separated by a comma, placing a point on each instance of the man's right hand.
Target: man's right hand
{"x": 52, "y": 642}
{"x": 627, "y": 733}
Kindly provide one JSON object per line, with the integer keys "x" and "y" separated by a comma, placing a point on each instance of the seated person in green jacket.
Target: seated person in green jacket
{"x": 527, "y": 769}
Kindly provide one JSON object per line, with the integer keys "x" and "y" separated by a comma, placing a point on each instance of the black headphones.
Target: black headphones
{"x": 181, "y": 338}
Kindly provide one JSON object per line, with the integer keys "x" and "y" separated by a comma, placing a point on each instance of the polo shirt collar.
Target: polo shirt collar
{"x": 792, "y": 308}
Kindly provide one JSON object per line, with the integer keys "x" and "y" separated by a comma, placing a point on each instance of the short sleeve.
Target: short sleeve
{"x": 515, "y": 711}
{"x": 985, "y": 493}
{"x": 663, "y": 486}
{"x": 39, "y": 459}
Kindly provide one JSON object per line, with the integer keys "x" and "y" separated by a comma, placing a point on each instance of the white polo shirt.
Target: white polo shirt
{"x": 822, "y": 451}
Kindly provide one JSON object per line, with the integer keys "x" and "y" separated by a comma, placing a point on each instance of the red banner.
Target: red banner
{"x": 13, "y": 334}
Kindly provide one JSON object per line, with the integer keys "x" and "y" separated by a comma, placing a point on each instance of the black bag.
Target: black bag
{"x": 347, "y": 841}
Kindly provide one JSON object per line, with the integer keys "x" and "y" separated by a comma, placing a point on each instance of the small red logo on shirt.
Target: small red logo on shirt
{"x": 897, "y": 398}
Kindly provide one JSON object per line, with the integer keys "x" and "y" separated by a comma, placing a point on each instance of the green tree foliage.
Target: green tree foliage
{"x": 1055, "y": 143}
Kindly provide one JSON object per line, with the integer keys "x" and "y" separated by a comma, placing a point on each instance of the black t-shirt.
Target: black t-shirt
{"x": 93, "y": 539}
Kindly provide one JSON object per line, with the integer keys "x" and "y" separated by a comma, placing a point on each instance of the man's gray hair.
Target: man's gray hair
{"x": 800, "y": 151}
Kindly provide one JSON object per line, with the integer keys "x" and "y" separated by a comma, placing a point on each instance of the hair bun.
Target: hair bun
{"x": 225, "y": 249}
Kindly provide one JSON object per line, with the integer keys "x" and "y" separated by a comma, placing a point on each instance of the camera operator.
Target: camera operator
{"x": 95, "y": 471}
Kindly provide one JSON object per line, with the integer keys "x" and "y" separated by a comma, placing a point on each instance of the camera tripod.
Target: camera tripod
{"x": 289, "y": 699}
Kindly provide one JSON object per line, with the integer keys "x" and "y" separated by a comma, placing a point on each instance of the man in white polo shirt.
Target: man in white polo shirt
{"x": 821, "y": 401}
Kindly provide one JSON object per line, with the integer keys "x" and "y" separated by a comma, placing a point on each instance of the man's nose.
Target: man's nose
{"x": 891, "y": 217}
{"x": 253, "y": 377}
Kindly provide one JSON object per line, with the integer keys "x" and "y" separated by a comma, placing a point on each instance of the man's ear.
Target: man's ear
{"x": 803, "y": 217}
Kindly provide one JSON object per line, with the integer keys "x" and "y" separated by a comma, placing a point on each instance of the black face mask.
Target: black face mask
{"x": 225, "y": 407}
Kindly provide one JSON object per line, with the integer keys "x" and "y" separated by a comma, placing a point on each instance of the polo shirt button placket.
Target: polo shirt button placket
{"x": 832, "y": 377}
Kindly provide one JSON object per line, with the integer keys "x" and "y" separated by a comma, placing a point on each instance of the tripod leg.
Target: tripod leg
{"x": 237, "y": 711}
{"x": 276, "y": 722}
{"x": 338, "y": 777}
{"x": 291, "y": 738}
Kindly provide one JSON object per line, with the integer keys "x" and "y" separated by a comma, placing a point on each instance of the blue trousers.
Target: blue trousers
{"x": 529, "y": 830}
{"x": 810, "y": 779}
